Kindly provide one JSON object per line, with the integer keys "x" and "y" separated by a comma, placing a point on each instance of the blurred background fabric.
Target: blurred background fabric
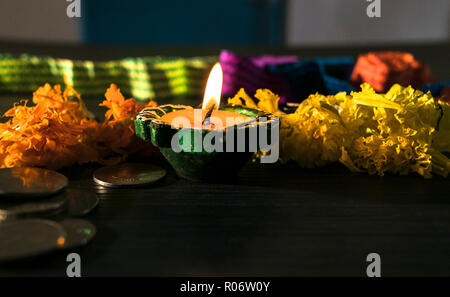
{"x": 231, "y": 22}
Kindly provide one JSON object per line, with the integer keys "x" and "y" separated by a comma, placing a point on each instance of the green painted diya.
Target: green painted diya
{"x": 191, "y": 161}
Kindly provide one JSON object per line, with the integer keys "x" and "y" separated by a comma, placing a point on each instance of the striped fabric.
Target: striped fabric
{"x": 162, "y": 77}
{"x": 141, "y": 78}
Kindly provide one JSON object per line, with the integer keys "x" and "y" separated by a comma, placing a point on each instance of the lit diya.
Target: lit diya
{"x": 211, "y": 143}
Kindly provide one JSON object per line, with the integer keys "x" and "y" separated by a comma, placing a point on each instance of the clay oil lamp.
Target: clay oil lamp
{"x": 207, "y": 144}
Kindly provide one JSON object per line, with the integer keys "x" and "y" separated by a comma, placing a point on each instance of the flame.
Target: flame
{"x": 213, "y": 88}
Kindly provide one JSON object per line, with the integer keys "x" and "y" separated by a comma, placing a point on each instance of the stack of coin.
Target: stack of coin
{"x": 29, "y": 194}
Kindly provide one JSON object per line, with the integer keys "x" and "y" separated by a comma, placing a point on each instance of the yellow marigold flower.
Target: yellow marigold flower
{"x": 268, "y": 101}
{"x": 241, "y": 98}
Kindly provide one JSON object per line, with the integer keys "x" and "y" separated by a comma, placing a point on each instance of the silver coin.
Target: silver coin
{"x": 81, "y": 202}
{"x": 128, "y": 174}
{"x": 42, "y": 207}
{"x": 28, "y": 182}
{"x": 79, "y": 232}
{"x": 29, "y": 237}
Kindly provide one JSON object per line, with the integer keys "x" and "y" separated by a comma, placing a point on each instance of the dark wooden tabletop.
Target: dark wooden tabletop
{"x": 275, "y": 220}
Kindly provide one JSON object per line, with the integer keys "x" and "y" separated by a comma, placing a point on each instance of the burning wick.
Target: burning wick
{"x": 207, "y": 118}
{"x": 213, "y": 89}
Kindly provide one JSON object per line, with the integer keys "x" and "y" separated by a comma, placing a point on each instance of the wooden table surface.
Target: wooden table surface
{"x": 275, "y": 220}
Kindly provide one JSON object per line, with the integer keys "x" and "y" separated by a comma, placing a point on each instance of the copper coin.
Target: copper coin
{"x": 81, "y": 202}
{"x": 79, "y": 232}
{"x": 29, "y": 182}
{"x": 128, "y": 174}
{"x": 29, "y": 237}
{"x": 42, "y": 207}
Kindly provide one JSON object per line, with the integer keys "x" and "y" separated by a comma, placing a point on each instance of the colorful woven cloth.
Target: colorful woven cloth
{"x": 251, "y": 73}
{"x": 291, "y": 79}
{"x": 141, "y": 78}
{"x": 383, "y": 69}
{"x": 327, "y": 76}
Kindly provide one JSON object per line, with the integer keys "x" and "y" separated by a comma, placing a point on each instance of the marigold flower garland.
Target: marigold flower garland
{"x": 402, "y": 131}
{"x": 59, "y": 131}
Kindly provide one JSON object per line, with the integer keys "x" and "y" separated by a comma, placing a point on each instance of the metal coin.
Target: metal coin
{"x": 128, "y": 174}
{"x": 29, "y": 237}
{"x": 81, "y": 202}
{"x": 42, "y": 207}
{"x": 79, "y": 232}
{"x": 28, "y": 182}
